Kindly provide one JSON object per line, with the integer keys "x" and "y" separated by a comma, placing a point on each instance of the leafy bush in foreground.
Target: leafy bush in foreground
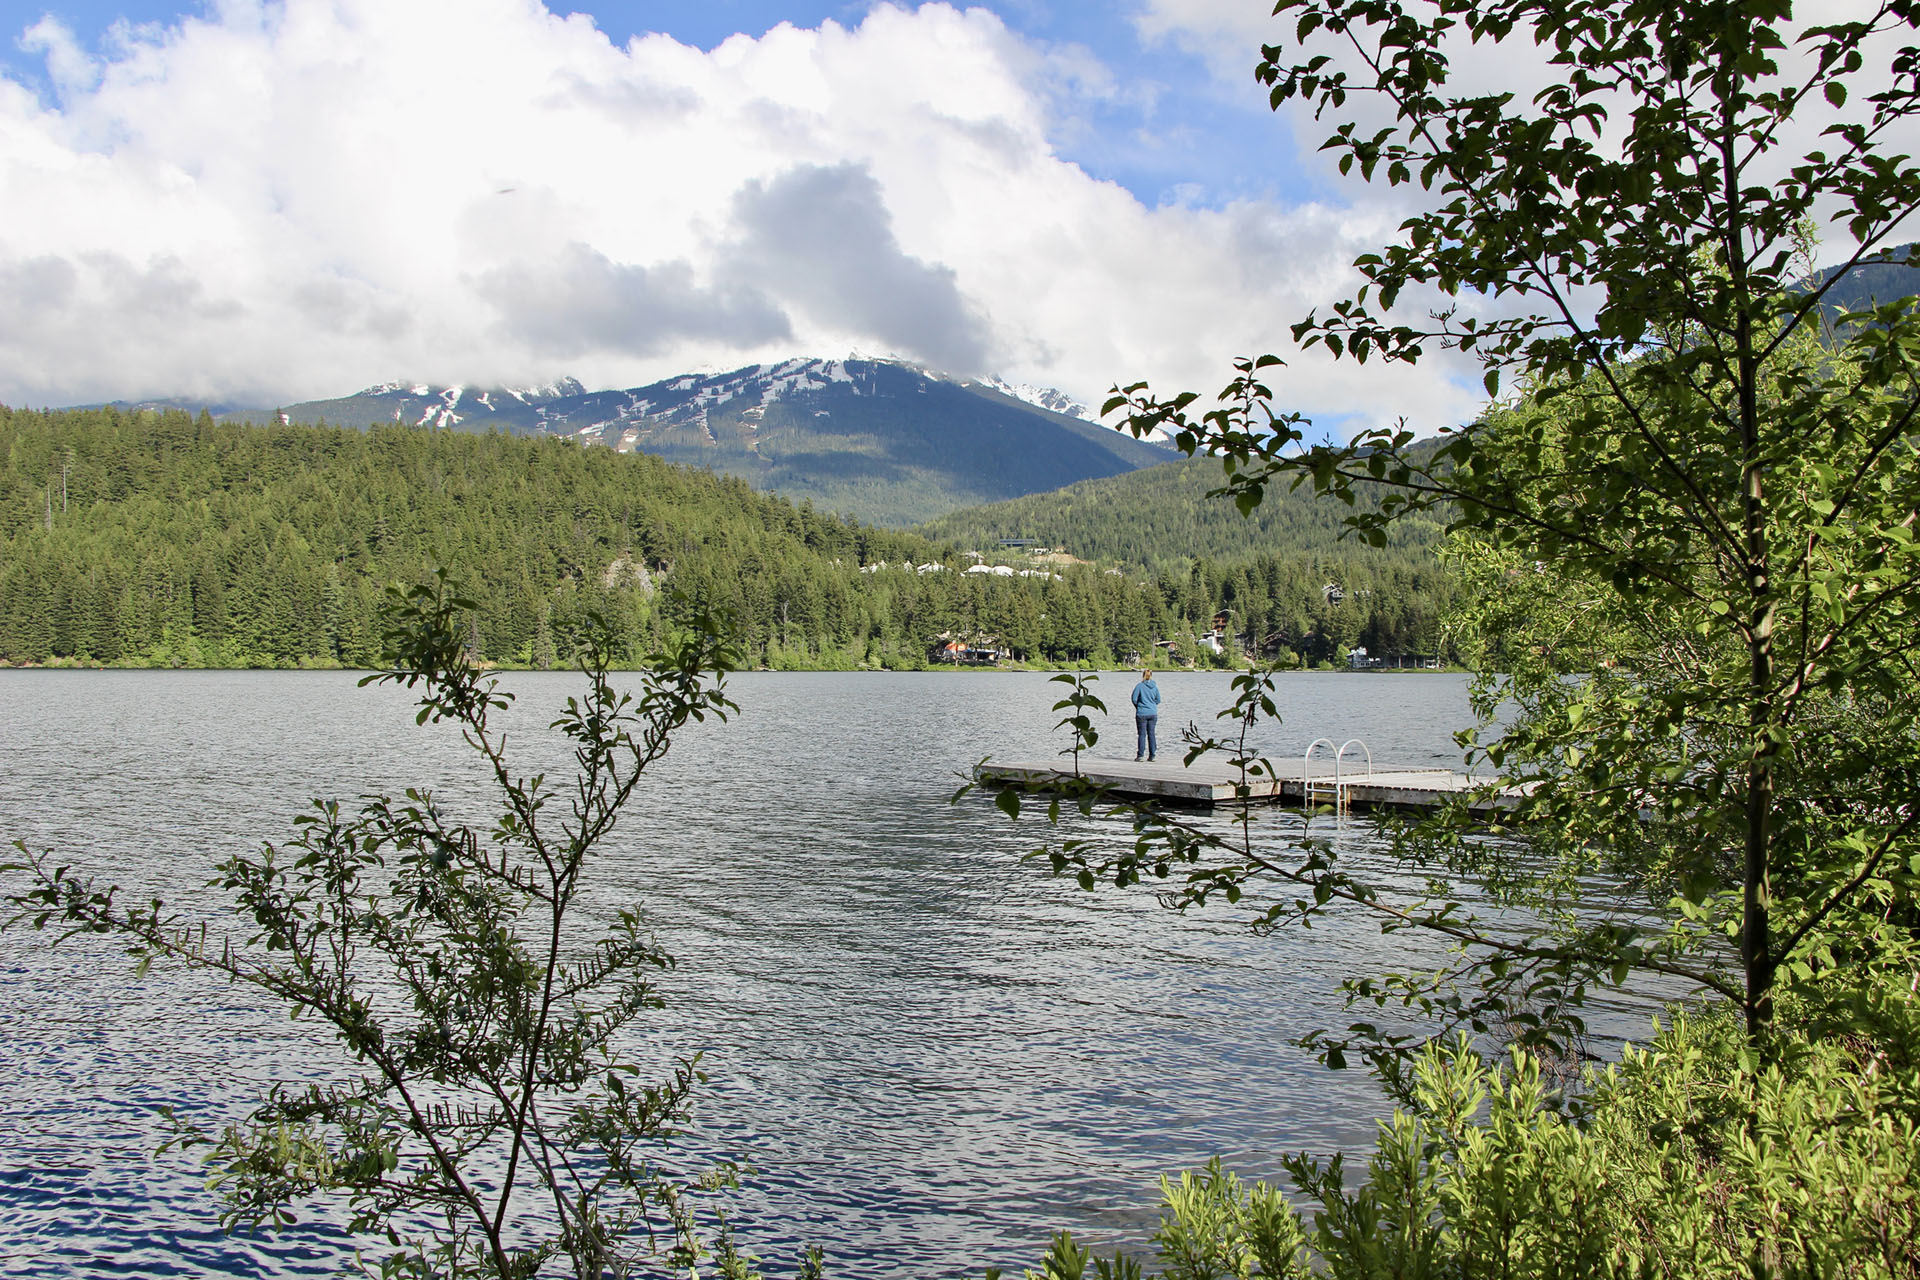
{"x": 1685, "y": 1159}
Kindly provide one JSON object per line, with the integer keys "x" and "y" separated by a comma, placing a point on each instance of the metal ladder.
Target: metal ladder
{"x": 1335, "y": 789}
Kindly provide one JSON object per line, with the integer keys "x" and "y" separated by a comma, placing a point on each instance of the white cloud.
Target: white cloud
{"x": 1226, "y": 34}
{"x": 67, "y": 63}
{"x": 297, "y": 199}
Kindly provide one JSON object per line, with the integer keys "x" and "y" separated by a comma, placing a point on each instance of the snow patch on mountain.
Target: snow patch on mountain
{"x": 451, "y": 395}
{"x": 1056, "y": 401}
{"x": 1051, "y": 399}
{"x": 690, "y": 400}
{"x": 783, "y": 379}
{"x": 556, "y": 390}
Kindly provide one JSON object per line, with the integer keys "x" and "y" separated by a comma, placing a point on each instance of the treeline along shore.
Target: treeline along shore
{"x": 160, "y": 538}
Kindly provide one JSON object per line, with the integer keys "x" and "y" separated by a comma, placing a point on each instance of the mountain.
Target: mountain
{"x": 1048, "y": 398}
{"x": 1161, "y": 517}
{"x": 1884, "y": 277}
{"x": 514, "y": 410}
{"x": 182, "y": 404}
{"x": 879, "y": 440}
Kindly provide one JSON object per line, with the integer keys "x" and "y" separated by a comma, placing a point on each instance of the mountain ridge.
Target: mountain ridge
{"x": 880, "y": 440}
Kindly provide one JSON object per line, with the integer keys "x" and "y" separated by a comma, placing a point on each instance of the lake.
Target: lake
{"x": 932, "y": 1053}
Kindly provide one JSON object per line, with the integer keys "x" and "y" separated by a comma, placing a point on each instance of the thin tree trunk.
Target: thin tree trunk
{"x": 1756, "y": 952}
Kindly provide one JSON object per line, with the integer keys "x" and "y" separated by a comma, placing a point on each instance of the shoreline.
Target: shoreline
{"x": 931, "y": 668}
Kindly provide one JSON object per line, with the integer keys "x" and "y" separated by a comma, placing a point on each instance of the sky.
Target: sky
{"x": 254, "y": 203}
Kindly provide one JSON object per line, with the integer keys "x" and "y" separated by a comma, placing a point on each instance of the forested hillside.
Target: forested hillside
{"x": 157, "y": 537}
{"x": 1884, "y": 277}
{"x": 1161, "y": 517}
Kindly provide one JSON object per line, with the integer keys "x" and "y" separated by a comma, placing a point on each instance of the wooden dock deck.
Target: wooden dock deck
{"x": 1212, "y": 782}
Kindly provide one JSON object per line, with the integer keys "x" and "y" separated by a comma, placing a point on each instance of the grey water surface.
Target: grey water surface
{"x": 932, "y": 1053}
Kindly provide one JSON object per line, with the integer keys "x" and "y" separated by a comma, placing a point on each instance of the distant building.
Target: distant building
{"x": 970, "y": 651}
{"x": 1219, "y": 637}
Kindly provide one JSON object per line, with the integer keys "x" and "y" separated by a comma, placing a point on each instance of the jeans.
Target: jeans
{"x": 1144, "y": 727}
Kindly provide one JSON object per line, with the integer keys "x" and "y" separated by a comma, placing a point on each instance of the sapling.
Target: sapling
{"x": 493, "y": 1124}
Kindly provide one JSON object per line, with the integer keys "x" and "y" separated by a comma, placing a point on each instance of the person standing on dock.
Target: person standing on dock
{"x": 1146, "y": 715}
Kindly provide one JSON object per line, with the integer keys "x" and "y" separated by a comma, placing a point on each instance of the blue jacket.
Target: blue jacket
{"x": 1146, "y": 699}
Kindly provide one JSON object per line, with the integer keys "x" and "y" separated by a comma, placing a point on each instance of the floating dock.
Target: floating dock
{"x": 1213, "y": 781}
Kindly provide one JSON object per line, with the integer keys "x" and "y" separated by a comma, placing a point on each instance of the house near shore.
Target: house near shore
{"x": 970, "y": 651}
{"x": 1360, "y": 660}
{"x": 1219, "y": 637}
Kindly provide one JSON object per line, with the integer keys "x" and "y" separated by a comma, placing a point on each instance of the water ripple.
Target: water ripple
{"x": 932, "y": 1053}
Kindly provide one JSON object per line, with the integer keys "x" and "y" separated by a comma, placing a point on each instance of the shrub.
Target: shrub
{"x": 1685, "y": 1159}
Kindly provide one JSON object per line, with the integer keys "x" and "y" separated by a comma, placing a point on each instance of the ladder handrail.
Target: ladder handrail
{"x": 1307, "y": 755}
{"x": 1306, "y": 773}
{"x": 1340, "y": 784}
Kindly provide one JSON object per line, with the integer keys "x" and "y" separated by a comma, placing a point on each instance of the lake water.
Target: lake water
{"x": 932, "y": 1053}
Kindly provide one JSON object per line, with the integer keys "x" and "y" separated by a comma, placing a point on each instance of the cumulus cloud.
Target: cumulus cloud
{"x": 68, "y": 65}
{"x": 84, "y": 311}
{"x": 1228, "y": 35}
{"x": 293, "y": 199}
{"x": 579, "y": 302}
{"x": 821, "y": 237}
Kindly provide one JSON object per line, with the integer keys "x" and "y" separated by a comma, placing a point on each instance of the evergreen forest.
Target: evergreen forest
{"x": 155, "y": 537}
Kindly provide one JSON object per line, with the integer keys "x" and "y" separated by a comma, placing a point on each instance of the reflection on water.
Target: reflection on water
{"x": 933, "y": 1054}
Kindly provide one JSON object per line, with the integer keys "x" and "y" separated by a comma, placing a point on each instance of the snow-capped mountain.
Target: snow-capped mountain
{"x": 1048, "y": 398}
{"x": 1054, "y": 400}
{"x": 421, "y": 404}
{"x": 881, "y": 439}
